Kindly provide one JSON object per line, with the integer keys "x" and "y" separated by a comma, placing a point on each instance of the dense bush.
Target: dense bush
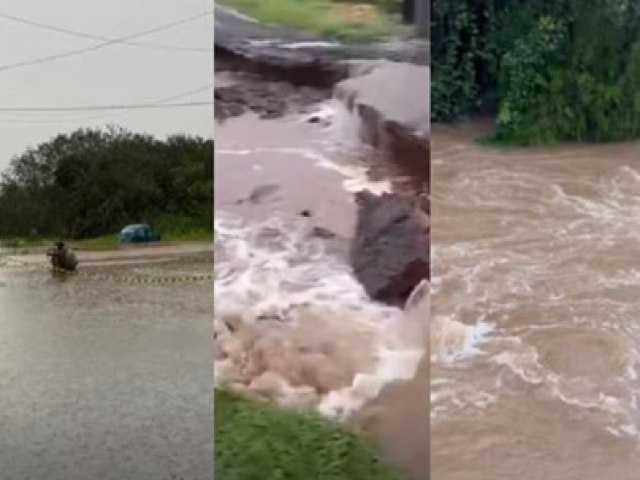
{"x": 551, "y": 70}
{"x": 92, "y": 182}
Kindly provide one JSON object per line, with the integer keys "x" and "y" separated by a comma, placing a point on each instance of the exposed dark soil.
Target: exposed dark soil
{"x": 390, "y": 250}
{"x": 269, "y": 99}
{"x": 261, "y": 93}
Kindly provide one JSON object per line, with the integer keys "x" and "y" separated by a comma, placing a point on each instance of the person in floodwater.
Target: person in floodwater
{"x": 62, "y": 258}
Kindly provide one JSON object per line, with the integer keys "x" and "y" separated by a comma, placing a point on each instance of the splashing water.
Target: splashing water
{"x": 293, "y": 325}
{"x": 535, "y": 329}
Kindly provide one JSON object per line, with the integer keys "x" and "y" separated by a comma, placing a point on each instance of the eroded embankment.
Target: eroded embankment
{"x": 293, "y": 322}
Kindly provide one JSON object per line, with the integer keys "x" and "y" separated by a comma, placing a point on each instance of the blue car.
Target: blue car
{"x": 139, "y": 233}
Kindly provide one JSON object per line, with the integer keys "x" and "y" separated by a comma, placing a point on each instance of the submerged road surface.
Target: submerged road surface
{"x": 104, "y": 379}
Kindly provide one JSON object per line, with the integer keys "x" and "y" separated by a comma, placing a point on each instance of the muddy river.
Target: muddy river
{"x": 536, "y": 311}
{"x": 104, "y": 378}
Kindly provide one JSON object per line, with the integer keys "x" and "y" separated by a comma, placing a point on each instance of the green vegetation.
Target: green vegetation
{"x": 354, "y": 21}
{"x": 550, "y": 70}
{"x": 257, "y": 441}
{"x": 89, "y": 184}
{"x": 101, "y": 243}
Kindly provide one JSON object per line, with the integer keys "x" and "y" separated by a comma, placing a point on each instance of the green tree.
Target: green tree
{"x": 93, "y": 182}
{"x": 550, "y": 70}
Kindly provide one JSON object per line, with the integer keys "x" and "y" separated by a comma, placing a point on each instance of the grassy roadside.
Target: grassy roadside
{"x": 324, "y": 18}
{"x": 102, "y": 243}
{"x": 257, "y": 441}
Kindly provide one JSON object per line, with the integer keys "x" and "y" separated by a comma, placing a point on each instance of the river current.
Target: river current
{"x": 535, "y": 310}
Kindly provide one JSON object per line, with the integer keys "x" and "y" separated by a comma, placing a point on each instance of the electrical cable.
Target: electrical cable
{"x": 27, "y": 118}
{"x": 101, "y": 45}
{"x": 35, "y": 112}
{"x": 104, "y": 107}
{"x": 90, "y": 36}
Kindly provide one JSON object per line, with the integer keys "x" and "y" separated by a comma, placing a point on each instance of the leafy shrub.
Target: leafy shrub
{"x": 551, "y": 70}
{"x": 533, "y": 104}
{"x": 454, "y": 89}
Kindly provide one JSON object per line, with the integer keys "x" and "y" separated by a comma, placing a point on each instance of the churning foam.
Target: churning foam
{"x": 342, "y": 128}
{"x": 549, "y": 276}
{"x": 452, "y": 340}
{"x": 293, "y": 325}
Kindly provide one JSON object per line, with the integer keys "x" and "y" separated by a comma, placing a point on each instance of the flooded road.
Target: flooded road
{"x": 536, "y": 311}
{"x": 103, "y": 378}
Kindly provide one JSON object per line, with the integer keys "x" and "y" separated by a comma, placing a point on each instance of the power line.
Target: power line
{"x": 27, "y": 118}
{"x": 21, "y": 113}
{"x": 31, "y": 117}
{"x": 90, "y": 36}
{"x": 183, "y": 94}
{"x": 89, "y": 108}
{"x": 101, "y": 45}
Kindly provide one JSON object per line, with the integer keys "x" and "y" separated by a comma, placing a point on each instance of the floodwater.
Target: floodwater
{"x": 103, "y": 378}
{"x": 292, "y": 323}
{"x": 535, "y": 311}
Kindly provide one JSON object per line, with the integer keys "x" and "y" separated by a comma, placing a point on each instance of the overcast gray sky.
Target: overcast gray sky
{"x": 115, "y": 75}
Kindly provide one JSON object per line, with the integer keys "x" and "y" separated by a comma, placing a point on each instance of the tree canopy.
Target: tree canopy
{"x": 550, "y": 70}
{"x": 93, "y": 182}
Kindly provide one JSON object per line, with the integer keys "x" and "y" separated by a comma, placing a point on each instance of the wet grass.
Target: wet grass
{"x": 324, "y": 18}
{"x": 257, "y": 441}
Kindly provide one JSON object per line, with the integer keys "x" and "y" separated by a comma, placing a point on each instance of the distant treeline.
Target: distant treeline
{"x": 551, "y": 70}
{"x": 94, "y": 182}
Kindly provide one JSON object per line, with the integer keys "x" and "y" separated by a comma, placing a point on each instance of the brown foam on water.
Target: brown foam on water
{"x": 296, "y": 362}
{"x": 542, "y": 244}
{"x": 321, "y": 357}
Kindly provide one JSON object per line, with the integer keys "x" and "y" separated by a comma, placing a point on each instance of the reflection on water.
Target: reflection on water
{"x": 104, "y": 379}
{"x": 535, "y": 330}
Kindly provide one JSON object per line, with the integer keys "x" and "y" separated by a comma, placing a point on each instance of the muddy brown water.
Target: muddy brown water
{"x": 278, "y": 168}
{"x": 398, "y": 419}
{"x": 268, "y": 166}
{"x": 535, "y": 312}
{"x": 104, "y": 378}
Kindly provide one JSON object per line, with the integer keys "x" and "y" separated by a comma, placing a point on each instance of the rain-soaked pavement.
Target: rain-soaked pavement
{"x": 104, "y": 378}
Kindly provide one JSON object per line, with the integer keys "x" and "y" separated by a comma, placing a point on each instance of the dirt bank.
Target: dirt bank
{"x": 267, "y": 98}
